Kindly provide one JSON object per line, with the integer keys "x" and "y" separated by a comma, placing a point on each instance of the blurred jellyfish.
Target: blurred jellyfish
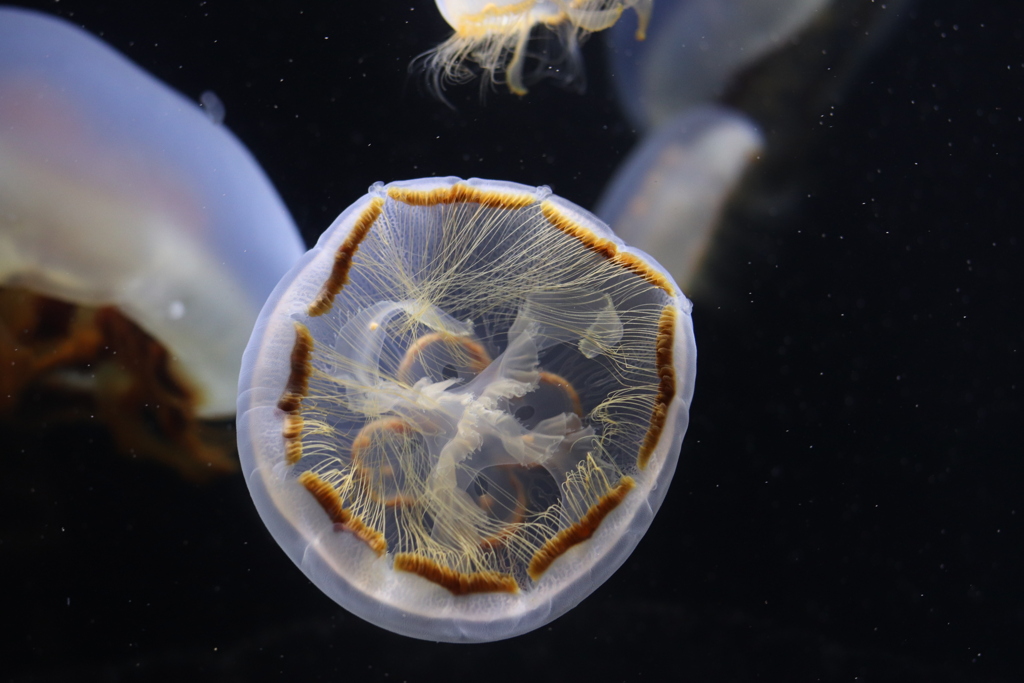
{"x": 495, "y": 35}
{"x": 461, "y": 410}
{"x": 138, "y": 240}
{"x": 666, "y": 197}
{"x": 694, "y": 48}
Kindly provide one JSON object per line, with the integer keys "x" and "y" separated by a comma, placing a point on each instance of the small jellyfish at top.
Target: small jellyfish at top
{"x": 138, "y": 241}
{"x": 498, "y": 37}
{"x": 694, "y": 49}
{"x": 667, "y": 197}
{"x": 460, "y": 411}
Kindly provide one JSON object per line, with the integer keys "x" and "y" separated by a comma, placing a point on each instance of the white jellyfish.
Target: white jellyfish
{"x": 138, "y": 240}
{"x": 694, "y": 48}
{"x": 667, "y": 196}
{"x": 460, "y": 411}
{"x": 495, "y": 36}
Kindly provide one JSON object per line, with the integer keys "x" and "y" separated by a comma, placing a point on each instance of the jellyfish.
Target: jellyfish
{"x": 460, "y": 411}
{"x": 138, "y": 241}
{"x": 694, "y": 49}
{"x": 495, "y": 35}
{"x": 666, "y": 197}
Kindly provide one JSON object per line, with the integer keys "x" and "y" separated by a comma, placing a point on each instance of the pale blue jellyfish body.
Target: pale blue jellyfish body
{"x": 667, "y": 196}
{"x": 694, "y": 48}
{"x": 116, "y": 191}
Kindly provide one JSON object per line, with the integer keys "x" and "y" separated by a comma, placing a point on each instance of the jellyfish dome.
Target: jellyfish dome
{"x": 138, "y": 240}
{"x": 460, "y": 411}
{"x": 668, "y": 195}
{"x": 695, "y": 48}
{"x": 495, "y": 35}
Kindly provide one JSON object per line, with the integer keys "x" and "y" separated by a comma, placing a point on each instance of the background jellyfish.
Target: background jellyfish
{"x": 667, "y": 197}
{"x": 495, "y": 36}
{"x": 693, "y": 50}
{"x": 138, "y": 240}
{"x": 459, "y": 413}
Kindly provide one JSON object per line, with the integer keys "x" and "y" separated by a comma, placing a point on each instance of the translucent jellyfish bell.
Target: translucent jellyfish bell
{"x": 495, "y": 35}
{"x": 694, "y": 48}
{"x": 666, "y": 197}
{"x": 153, "y": 227}
{"x": 460, "y": 411}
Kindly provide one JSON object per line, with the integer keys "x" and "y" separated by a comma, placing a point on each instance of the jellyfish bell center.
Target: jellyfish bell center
{"x": 474, "y": 16}
{"x": 484, "y": 432}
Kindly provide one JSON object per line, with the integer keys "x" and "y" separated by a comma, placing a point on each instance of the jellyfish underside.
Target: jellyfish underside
{"x": 695, "y": 49}
{"x": 138, "y": 241}
{"x": 458, "y": 458}
{"x": 496, "y": 37}
{"x": 475, "y": 388}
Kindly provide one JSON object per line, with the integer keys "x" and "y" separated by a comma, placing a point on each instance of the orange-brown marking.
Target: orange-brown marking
{"x": 491, "y": 12}
{"x": 137, "y": 391}
{"x": 487, "y": 502}
{"x": 458, "y": 583}
{"x": 330, "y": 501}
{"x": 666, "y": 386}
{"x": 478, "y": 356}
{"x": 606, "y": 248}
{"x": 298, "y": 380}
{"x": 580, "y": 531}
{"x": 292, "y": 437}
{"x": 363, "y": 441}
{"x": 343, "y": 259}
{"x": 461, "y": 194}
{"x": 492, "y": 18}
{"x": 563, "y": 384}
{"x": 391, "y": 424}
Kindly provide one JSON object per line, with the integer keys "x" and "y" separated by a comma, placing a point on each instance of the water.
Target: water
{"x": 847, "y": 505}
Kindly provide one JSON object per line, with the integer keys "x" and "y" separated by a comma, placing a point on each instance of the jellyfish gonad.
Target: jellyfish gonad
{"x": 138, "y": 240}
{"x": 461, "y": 410}
{"x": 495, "y": 36}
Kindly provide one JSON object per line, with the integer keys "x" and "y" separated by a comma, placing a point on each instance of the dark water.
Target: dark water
{"x": 849, "y": 502}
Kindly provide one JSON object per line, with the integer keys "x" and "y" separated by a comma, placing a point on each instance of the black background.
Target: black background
{"x": 848, "y": 505}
